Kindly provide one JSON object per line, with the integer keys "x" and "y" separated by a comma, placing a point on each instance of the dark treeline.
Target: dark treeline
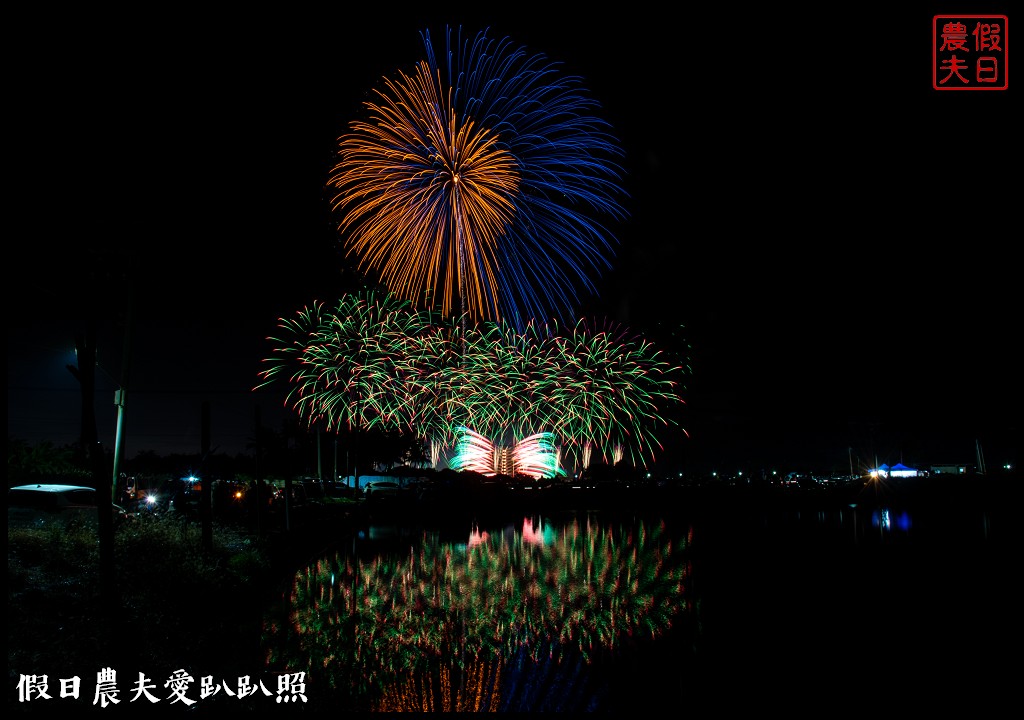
{"x": 273, "y": 454}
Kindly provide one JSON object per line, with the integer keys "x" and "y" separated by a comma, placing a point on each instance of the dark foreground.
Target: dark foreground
{"x": 920, "y": 629}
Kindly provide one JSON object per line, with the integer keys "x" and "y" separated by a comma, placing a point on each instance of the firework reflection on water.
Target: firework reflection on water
{"x": 530, "y": 617}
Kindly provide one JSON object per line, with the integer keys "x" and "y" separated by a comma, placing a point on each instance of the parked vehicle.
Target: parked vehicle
{"x": 381, "y": 489}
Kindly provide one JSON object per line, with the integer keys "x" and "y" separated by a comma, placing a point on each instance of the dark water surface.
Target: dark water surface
{"x": 723, "y": 606}
{"x": 896, "y": 609}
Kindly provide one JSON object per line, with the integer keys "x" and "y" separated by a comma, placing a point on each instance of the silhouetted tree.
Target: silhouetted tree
{"x": 44, "y": 462}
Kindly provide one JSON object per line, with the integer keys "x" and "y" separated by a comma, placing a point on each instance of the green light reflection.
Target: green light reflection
{"x": 577, "y": 590}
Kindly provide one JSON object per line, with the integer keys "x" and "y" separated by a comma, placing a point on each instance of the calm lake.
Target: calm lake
{"x": 732, "y": 606}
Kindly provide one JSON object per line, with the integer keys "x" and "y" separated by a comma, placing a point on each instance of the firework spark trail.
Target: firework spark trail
{"x": 483, "y": 182}
{"x": 479, "y": 181}
{"x": 374, "y": 361}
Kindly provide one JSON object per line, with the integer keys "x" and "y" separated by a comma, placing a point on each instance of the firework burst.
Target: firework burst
{"x": 375, "y": 361}
{"x": 483, "y": 182}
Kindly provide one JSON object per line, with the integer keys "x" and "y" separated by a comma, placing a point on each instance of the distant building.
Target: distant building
{"x": 948, "y": 469}
{"x": 899, "y": 470}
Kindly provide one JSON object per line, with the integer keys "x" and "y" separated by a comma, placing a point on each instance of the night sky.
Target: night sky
{"x": 830, "y": 237}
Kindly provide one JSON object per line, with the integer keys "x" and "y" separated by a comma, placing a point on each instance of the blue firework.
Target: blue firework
{"x": 483, "y": 182}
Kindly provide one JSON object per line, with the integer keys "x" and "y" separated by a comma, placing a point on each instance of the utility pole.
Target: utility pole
{"x": 85, "y": 373}
{"x": 120, "y": 396}
{"x": 206, "y": 494}
{"x": 258, "y": 432}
